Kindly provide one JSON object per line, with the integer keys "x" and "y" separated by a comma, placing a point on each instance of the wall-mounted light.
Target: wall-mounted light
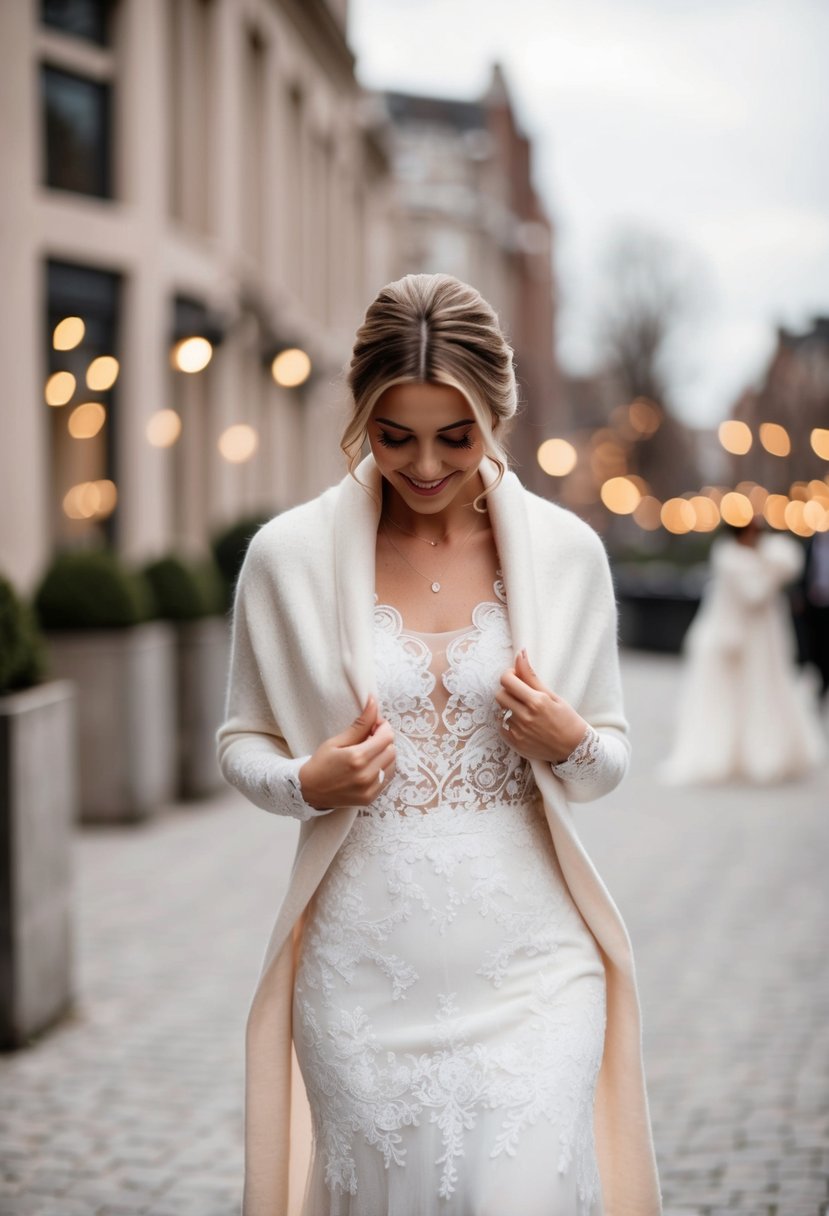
{"x": 291, "y": 367}
{"x": 191, "y": 354}
{"x": 196, "y": 334}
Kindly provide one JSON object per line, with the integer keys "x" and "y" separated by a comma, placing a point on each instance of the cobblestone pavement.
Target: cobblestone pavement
{"x": 134, "y": 1104}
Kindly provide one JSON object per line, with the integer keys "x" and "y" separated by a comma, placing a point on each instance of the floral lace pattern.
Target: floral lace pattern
{"x": 455, "y": 756}
{"x": 585, "y": 756}
{"x": 449, "y": 1003}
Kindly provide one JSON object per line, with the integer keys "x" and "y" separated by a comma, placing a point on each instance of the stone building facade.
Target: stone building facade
{"x": 467, "y": 206}
{"x": 175, "y": 169}
{"x": 793, "y": 393}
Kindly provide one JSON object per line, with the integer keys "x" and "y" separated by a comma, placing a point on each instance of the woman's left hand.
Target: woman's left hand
{"x": 542, "y": 726}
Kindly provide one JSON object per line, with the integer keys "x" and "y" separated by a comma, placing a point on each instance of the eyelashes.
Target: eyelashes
{"x": 389, "y": 442}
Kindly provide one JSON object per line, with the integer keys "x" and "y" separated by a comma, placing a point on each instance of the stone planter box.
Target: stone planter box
{"x": 202, "y": 665}
{"x": 127, "y": 737}
{"x": 38, "y": 806}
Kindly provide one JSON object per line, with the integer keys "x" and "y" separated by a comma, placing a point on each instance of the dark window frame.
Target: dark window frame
{"x": 101, "y": 183}
{"x": 88, "y": 20}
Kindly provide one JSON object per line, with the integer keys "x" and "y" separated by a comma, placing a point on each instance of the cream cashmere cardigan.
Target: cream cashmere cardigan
{"x": 301, "y": 668}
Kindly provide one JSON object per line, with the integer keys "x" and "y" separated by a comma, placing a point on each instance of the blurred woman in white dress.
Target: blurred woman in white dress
{"x": 743, "y": 714}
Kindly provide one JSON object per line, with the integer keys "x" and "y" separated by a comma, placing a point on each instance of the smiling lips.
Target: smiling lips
{"x": 427, "y": 487}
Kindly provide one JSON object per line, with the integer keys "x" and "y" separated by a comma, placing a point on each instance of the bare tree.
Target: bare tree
{"x": 652, "y": 288}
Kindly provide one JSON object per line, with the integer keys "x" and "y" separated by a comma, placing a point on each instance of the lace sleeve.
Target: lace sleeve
{"x": 272, "y": 783}
{"x": 594, "y": 767}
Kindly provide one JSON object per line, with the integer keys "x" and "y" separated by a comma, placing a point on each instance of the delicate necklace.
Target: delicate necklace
{"x": 434, "y": 543}
{"x": 434, "y": 583}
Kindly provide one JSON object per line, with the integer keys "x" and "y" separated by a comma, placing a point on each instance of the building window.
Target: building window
{"x": 81, "y": 395}
{"x": 76, "y": 114}
{"x": 87, "y": 19}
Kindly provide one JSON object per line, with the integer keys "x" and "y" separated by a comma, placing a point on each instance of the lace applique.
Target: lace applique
{"x": 432, "y": 990}
{"x": 498, "y": 866}
{"x": 583, "y": 758}
{"x": 457, "y": 755}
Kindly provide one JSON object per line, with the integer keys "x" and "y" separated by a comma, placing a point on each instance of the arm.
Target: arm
{"x": 587, "y": 747}
{"x": 252, "y": 754}
{"x": 346, "y": 770}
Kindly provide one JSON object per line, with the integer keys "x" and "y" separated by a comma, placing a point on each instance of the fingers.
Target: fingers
{"x": 362, "y": 727}
{"x": 371, "y": 775}
{"x": 525, "y": 671}
{"x": 519, "y": 689}
{"x": 374, "y": 746}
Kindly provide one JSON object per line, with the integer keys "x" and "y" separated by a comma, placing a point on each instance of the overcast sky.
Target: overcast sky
{"x": 704, "y": 120}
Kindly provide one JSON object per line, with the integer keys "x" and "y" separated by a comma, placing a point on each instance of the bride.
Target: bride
{"x": 742, "y": 714}
{"x": 425, "y": 673}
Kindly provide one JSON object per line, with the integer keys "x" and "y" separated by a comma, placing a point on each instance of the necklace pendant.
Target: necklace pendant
{"x": 436, "y": 587}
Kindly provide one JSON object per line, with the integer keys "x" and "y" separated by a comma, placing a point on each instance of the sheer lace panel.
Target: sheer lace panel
{"x": 438, "y": 693}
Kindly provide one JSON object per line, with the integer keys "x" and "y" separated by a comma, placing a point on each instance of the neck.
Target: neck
{"x": 457, "y": 517}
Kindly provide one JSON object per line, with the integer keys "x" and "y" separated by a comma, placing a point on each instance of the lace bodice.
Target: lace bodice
{"x": 437, "y": 691}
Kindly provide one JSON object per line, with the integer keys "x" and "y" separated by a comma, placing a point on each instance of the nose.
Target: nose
{"x": 427, "y": 464}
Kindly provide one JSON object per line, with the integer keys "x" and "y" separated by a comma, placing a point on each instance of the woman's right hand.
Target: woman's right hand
{"x": 345, "y": 770}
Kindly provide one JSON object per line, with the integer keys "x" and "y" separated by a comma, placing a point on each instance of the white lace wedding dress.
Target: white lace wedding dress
{"x": 449, "y": 1004}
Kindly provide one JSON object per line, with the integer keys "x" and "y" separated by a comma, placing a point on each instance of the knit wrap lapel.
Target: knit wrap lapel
{"x": 355, "y": 535}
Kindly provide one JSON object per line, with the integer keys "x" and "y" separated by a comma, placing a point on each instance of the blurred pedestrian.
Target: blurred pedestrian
{"x": 743, "y": 714}
{"x": 424, "y": 671}
{"x": 814, "y": 607}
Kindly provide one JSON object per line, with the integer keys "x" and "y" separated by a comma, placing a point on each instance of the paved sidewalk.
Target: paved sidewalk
{"x": 134, "y": 1105}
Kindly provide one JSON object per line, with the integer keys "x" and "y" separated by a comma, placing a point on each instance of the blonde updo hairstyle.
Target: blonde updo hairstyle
{"x": 432, "y": 328}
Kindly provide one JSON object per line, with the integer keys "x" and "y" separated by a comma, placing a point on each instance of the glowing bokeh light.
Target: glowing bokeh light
{"x": 775, "y": 439}
{"x": 795, "y": 516}
{"x": 86, "y": 420}
{"x": 108, "y": 496}
{"x": 238, "y": 443}
{"x": 814, "y": 515}
{"x": 191, "y": 355}
{"x": 819, "y": 440}
{"x": 736, "y": 509}
{"x": 757, "y": 497}
{"x": 557, "y": 457}
{"x": 644, "y": 416}
{"x": 774, "y": 510}
{"x": 68, "y": 333}
{"x": 648, "y": 513}
{"x": 678, "y": 515}
{"x": 291, "y": 367}
{"x": 707, "y": 516}
{"x": 59, "y": 388}
{"x": 90, "y": 499}
{"x": 163, "y": 428}
{"x": 102, "y": 373}
{"x": 620, "y": 495}
{"x": 735, "y": 437}
{"x": 715, "y": 493}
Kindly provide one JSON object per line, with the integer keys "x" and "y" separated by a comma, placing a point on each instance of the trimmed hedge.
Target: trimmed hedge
{"x": 186, "y": 590}
{"x": 22, "y": 649}
{"x": 92, "y": 589}
{"x": 229, "y": 548}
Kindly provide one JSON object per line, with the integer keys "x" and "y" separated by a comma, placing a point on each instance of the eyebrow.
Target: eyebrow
{"x": 450, "y": 427}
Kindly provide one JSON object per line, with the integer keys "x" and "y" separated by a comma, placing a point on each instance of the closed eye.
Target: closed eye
{"x": 388, "y": 441}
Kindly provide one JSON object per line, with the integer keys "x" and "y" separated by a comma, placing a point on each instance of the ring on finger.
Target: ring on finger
{"x": 505, "y": 717}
